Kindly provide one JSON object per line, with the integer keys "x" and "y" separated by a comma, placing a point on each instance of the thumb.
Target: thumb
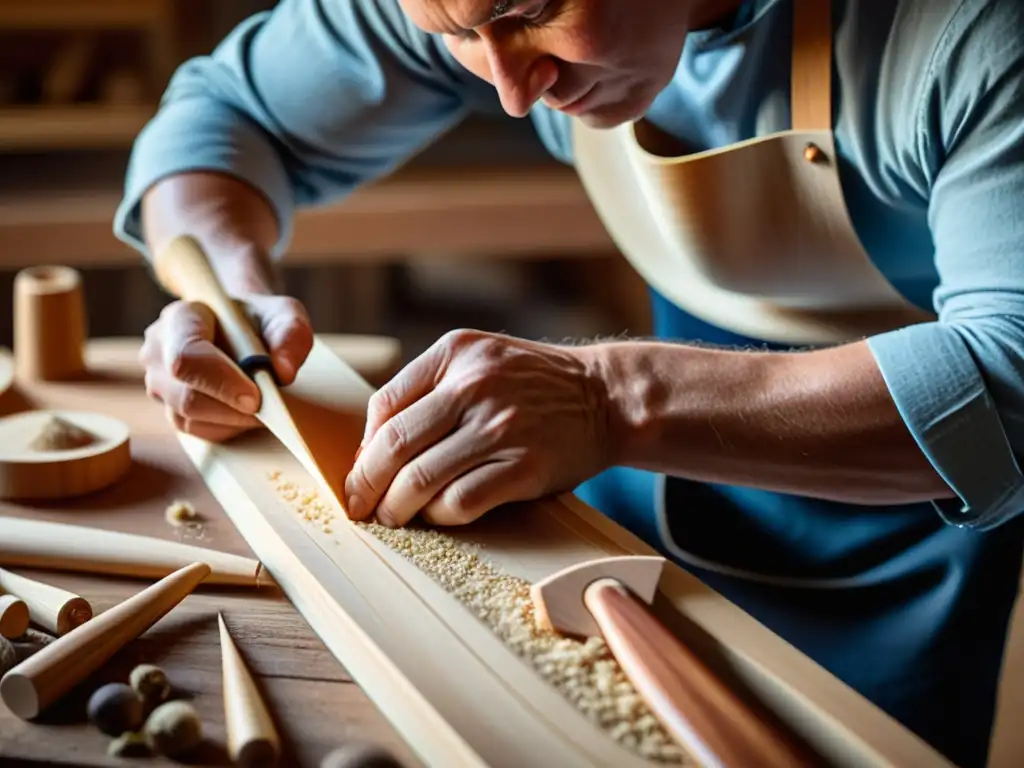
{"x": 287, "y": 332}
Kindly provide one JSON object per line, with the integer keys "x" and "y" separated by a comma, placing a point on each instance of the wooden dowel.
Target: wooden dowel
{"x": 76, "y": 548}
{"x": 40, "y": 680}
{"x": 14, "y": 618}
{"x": 55, "y": 610}
{"x": 252, "y": 738}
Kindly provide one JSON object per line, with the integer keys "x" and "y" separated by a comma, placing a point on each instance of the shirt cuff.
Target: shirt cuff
{"x": 198, "y": 134}
{"x": 941, "y": 395}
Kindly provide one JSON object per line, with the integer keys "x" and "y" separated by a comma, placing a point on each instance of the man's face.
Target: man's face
{"x": 603, "y": 61}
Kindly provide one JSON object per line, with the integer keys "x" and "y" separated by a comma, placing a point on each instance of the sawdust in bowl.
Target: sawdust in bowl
{"x": 585, "y": 672}
{"x": 58, "y": 434}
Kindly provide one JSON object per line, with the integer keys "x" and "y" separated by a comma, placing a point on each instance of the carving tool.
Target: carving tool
{"x": 41, "y": 679}
{"x": 55, "y": 610}
{"x": 77, "y": 548}
{"x": 184, "y": 270}
{"x": 609, "y": 597}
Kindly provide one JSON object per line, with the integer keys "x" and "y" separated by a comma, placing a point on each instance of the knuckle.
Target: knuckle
{"x": 419, "y": 478}
{"x": 380, "y": 402}
{"x": 188, "y": 402}
{"x": 395, "y": 436}
{"x": 459, "y": 504}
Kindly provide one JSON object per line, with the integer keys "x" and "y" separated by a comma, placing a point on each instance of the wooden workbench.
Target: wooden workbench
{"x": 315, "y": 703}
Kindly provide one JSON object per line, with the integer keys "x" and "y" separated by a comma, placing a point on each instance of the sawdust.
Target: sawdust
{"x": 59, "y": 434}
{"x": 585, "y": 672}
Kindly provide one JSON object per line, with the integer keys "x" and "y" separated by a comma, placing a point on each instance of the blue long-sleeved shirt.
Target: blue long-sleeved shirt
{"x": 317, "y": 97}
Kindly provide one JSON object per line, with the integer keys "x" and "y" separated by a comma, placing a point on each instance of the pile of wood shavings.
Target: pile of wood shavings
{"x": 585, "y": 672}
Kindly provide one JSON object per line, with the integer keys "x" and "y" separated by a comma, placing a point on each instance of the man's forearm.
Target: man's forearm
{"x": 232, "y": 222}
{"x": 818, "y": 423}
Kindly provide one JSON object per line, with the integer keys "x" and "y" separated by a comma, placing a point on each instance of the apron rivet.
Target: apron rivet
{"x": 813, "y": 153}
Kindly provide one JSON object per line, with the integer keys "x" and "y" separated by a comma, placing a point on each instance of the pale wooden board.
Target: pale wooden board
{"x": 312, "y": 698}
{"x": 429, "y": 663}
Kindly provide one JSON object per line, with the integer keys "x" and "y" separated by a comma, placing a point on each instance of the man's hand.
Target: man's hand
{"x": 206, "y": 394}
{"x": 477, "y": 421}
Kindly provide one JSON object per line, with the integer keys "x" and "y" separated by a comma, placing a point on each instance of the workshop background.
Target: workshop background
{"x": 482, "y": 230}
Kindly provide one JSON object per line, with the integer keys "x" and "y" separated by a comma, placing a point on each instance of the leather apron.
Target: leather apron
{"x": 754, "y": 237}
{"x": 753, "y": 243}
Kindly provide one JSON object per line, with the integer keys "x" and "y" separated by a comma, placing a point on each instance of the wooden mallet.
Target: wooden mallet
{"x": 609, "y": 598}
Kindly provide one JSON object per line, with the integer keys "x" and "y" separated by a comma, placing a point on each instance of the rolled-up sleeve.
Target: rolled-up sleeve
{"x": 304, "y": 103}
{"x": 959, "y": 382}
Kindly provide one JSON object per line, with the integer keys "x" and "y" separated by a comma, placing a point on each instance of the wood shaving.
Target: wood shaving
{"x": 58, "y": 434}
{"x": 585, "y": 672}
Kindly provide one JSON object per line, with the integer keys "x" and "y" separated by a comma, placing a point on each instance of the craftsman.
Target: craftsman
{"x": 847, "y": 477}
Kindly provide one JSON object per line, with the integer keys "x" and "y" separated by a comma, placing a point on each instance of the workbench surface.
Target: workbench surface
{"x": 315, "y": 704}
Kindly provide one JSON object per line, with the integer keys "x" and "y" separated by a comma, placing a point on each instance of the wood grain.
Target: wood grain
{"x": 316, "y": 704}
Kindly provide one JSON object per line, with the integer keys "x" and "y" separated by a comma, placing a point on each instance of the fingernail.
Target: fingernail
{"x": 354, "y": 506}
{"x": 385, "y": 519}
{"x": 247, "y": 403}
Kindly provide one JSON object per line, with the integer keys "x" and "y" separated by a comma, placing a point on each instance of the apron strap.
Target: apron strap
{"x": 811, "y": 77}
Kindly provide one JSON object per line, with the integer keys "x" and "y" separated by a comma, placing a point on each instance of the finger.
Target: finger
{"x": 192, "y": 404}
{"x": 214, "y": 433}
{"x": 286, "y": 331}
{"x": 190, "y": 356}
{"x": 413, "y": 382}
{"x": 479, "y": 491}
{"x": 428, "y": 474}
{"x": 393, "y": 446}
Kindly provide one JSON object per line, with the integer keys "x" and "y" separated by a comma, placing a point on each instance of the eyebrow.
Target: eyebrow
{"x": 498, "y": 9}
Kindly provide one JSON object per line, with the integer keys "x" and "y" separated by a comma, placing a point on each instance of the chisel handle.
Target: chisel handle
{"x": 697, "y": 708}
{"x": 184, "y": 270}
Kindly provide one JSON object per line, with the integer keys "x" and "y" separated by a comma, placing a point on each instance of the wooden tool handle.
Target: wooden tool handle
{"x": 41, "y": 679}
{"x": 707, "y": 718}
{"x": 55, "y": 610}
{"x": 184, "y": 270}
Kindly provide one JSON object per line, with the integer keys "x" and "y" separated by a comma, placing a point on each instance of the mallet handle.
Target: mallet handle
{"x": 706, "y": 717}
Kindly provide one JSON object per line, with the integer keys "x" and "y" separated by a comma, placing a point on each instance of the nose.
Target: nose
{"x": 520, "y": 75}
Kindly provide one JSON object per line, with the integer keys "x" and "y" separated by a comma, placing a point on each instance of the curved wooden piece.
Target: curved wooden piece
{"x": 55, "y": 610}
{"x": 49, "y": 324}
{"x": 41, "y": 679}
{"x": 558, "y": 599}
{"x": 710, "y": 721}
{"x": 14, "y": 618}
{"x": 65, "y": 547}
{"x": 184, "y": 269}
{"x": 30, "y": 469}
{"x": 252, "y": 738}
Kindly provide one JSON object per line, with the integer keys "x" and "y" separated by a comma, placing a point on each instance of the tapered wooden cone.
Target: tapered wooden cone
{"x": 14, "y": 618}
{"x": 55, "y": 610}
{"x": 64, "y": 547}
{"x": 252, "y": 738}
{"x": 40, "y": 680}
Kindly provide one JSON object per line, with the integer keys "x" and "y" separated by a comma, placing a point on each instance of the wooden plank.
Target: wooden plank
{"x": 338, "y": 577}
{"x": 82, "y": 126}
{"x": 527, "y": 212}
{"x": 79, "y": 14}
{"x": 311, "y": 696}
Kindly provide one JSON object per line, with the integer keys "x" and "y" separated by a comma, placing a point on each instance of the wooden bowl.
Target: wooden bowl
{"x": 52, "y": 454}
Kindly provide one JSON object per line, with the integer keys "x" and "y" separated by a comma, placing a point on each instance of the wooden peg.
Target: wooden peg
{"x": 55, "y": 610}
{"x": 14, "y": 618}
{"x": 49, "y": 324}
{"x": 40, "y": 680}
{"x": 65, "y": 547}
{"x": 252, "y": 738}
